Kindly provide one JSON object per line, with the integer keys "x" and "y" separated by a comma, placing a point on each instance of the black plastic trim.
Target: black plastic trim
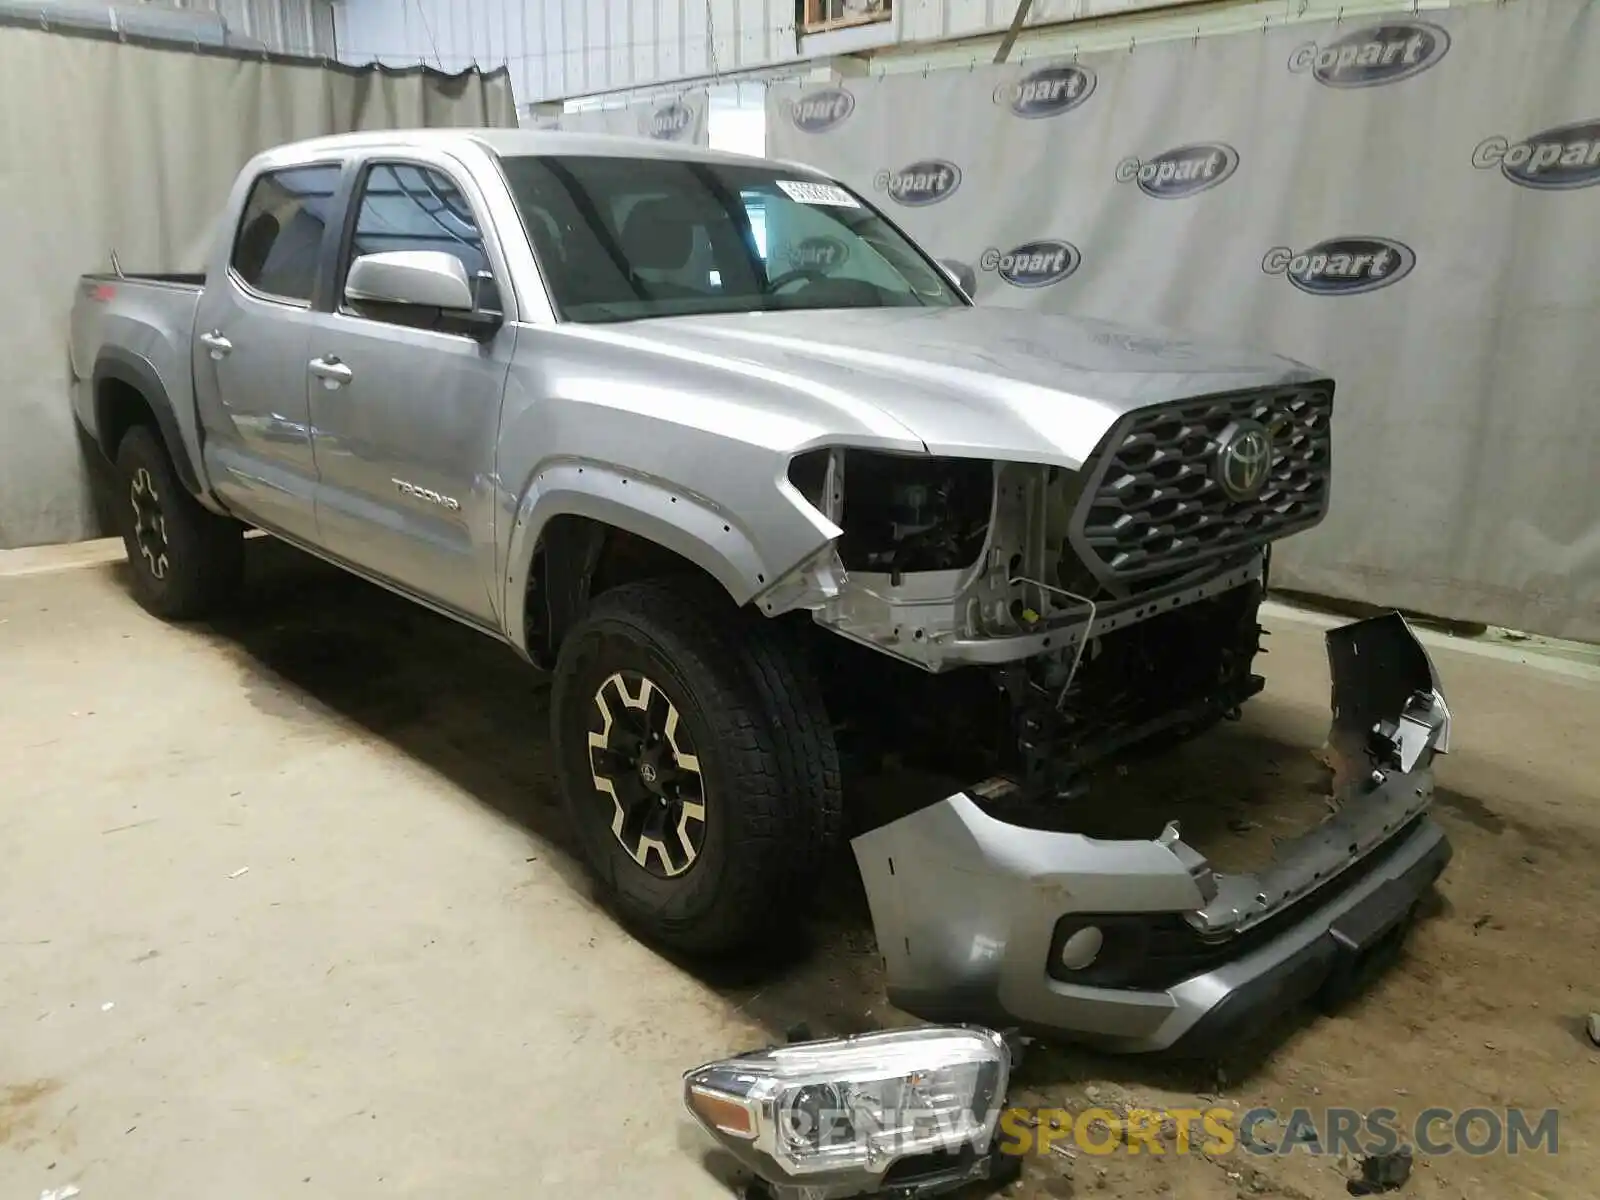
{"x": 1328, "y": 968}
{"x": 1170, "y": 950}
{"x": 325, "y": 296}
{"x": 568, "y": 555}
{"x": 124, "y": 366}
{"x": 1098, "y": 464}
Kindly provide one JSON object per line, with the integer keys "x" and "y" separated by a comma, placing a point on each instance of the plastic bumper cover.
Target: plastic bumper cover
{"x": 967, "y": 908}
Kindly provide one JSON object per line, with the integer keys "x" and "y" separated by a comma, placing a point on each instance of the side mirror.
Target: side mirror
{"x": 965, "y": 277}
{"x": 420, "y": 278}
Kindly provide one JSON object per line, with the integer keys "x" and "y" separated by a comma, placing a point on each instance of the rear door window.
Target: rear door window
{"x": 280, "y": 235}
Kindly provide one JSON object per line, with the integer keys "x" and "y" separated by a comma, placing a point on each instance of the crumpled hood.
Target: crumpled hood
{"x": 982, "y": 382}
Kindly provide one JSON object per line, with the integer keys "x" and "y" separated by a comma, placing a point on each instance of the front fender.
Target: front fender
{"x": 671, "y": 517}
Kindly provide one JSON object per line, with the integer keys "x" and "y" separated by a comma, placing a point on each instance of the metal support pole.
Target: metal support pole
{"x": 1010, "y": 38}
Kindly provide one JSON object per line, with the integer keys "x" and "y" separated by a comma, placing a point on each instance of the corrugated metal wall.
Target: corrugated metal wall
{"x": 933, "y": 20}
{"x": 560, "y": 48}
{"x": 301, "y": 27}
{"x": 1140, "y": 22}
{"x": 556, "y": 49}
{"x": 287, "y": 26}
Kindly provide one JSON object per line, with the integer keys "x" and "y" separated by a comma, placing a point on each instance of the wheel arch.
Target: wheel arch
{"x": 574, "y": 522}
{"x": 128, "y": 391}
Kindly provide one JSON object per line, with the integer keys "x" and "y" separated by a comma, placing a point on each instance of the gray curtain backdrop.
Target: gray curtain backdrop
{"x": 106, "y": 145}
{"x": 681, "y": 118}
{"x": 1410, "y": 202}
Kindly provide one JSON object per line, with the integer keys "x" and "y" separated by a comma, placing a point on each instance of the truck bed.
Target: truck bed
{"x": 180, "y": 278}
{"x": 145, "y": 317}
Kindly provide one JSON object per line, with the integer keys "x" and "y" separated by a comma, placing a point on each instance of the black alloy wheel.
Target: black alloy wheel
{"x": 186, "y": 560}
{"x": 643, "y": 759}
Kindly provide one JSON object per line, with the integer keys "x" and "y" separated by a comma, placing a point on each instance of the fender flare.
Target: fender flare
{"x": 124, "y": 366}
{"x": 673, "y": 519}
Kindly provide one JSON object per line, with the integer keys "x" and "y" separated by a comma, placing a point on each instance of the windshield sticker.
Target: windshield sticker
{"x": 817, "y": 193}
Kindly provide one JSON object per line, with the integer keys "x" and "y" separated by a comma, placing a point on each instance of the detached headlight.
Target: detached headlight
{"x": 847, "y": 1111}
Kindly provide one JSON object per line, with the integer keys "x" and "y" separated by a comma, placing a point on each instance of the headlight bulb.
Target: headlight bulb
{"x": 814, "y": 1117}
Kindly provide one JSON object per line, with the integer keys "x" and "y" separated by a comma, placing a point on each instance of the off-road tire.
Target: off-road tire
{"x": 197, "y": 566}
{"x": 769, "y": 767}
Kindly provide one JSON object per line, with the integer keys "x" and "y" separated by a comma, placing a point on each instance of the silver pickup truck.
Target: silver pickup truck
{"x": 712, "y": 441}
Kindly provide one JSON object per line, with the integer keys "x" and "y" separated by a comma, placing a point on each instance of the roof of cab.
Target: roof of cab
{"x": 509, "y": 142}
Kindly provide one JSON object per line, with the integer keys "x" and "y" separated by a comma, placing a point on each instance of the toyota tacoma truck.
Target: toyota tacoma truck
{"x": 714, "y": 443}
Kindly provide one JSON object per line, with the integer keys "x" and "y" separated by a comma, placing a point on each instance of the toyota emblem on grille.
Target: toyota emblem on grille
{"x": 1245, "y": 459}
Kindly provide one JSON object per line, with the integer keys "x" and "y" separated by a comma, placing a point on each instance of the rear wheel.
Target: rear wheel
{"x": 187, "y": 561}
{"x": 698, "y": 773}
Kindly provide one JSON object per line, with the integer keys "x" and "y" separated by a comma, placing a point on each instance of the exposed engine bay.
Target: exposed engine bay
{"x": 908, "y": 515}
{"x": 1049, "y": 720}
{"x": 1103, "y": 607}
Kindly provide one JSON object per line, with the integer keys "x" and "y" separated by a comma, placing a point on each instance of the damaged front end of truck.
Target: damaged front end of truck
{"x": 1024, "y": 623}
{"x": 1140, "y": 945}
{"x": 1045, "y": 618}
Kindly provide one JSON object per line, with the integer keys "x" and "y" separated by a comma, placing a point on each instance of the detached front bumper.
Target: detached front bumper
{"x": 1139, "y": 945}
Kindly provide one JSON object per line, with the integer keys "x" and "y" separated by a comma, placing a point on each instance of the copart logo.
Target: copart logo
{"x": 1047, "y": 92}
{"x": 669, "y": 123}
{"x": 1373, "y": 56}
{"x": 1181, "y": 172}
{"x": 927, "y": 181}
{"x": 818, "y": 112}
{"x": 1343, "y": 266}
{"x": 1565, "y": 157}
{"x": 1033, "y": 264}
{"x": 819, "y": 253}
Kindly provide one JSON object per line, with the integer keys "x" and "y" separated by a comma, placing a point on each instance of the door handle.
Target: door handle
{"x": 331, "y": 371}
{"x": 219, "y": 346}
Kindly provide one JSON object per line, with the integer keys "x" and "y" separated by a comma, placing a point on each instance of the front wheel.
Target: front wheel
{"x": 186, "y": 561}
{"x": 702, "y": 802}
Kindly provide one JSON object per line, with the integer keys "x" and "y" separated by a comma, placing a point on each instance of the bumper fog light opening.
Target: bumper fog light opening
{"x": 1082, "y": 948}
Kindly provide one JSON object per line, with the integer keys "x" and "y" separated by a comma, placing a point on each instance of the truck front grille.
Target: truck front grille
{"x": 1154, "y": 503}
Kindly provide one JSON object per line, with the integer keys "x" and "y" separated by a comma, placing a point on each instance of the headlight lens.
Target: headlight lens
{"x": 856, "y": 1104}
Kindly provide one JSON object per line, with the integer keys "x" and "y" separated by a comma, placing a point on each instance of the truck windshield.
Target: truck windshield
{"x": 621, "y": 239}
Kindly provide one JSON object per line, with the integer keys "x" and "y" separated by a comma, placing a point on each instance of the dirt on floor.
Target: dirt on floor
{"x": 1483, "y": 1011}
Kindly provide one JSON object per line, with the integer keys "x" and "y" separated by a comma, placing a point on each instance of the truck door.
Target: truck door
{"x": 405, "y": 414}
{"x": 250, "y": 350}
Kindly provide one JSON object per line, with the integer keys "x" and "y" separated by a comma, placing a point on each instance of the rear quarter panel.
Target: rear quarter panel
{"x": 145, "y": 327}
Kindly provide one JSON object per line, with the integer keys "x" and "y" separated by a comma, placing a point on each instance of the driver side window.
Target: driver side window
{"x": 404, "y": 206}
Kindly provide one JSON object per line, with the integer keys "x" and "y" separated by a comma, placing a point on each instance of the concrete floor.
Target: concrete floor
{"x": 259, "y": 941}
{"x": 285, "y": 910}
